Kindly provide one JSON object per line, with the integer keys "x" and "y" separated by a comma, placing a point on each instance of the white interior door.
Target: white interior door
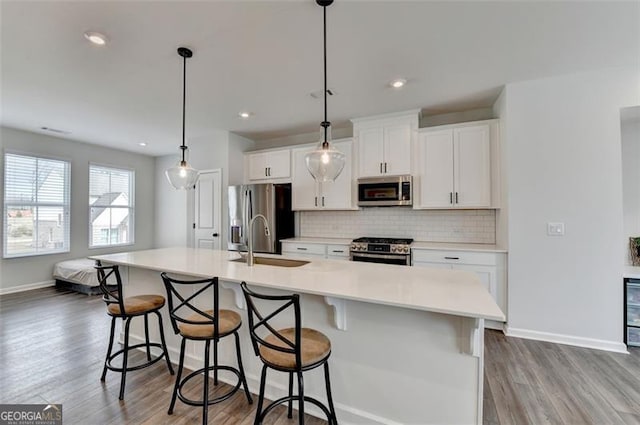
{"x": 208, "y": 210}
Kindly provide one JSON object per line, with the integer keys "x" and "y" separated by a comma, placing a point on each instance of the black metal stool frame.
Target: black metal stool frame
{"x": 292, "y": 348}
{"x": 176, "y": 318}
{"x": 114, "y": 296}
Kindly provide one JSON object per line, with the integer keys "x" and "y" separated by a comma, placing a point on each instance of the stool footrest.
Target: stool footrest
{"x": 279, "y": 401}
{"x": 219, "y": 399}
{"x": 136, "y": 367}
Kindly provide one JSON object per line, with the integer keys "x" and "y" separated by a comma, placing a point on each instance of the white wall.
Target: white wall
{"x": 219, "y": 150}
{"x": 31, "y": 270}
{"x": 564, "y": 164}
{"x": 631, "y": 177}
{"x": 171, "y": 207}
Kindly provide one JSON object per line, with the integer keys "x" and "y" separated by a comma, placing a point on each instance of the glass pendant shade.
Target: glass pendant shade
{"x": 325, "y": 163}
{"x": 182, "y": 176}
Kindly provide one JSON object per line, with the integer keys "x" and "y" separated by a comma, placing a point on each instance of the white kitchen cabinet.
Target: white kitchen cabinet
{"x": 384, "y": 143}
{"x": 313, "y": 251}
{"x": 307, "y": 194}
{"x": 454, "y": 166}
{"x": 269, "y": 165}
{"x": 490, "y": 267}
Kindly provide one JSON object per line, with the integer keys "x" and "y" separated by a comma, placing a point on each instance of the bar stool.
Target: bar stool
{"x": 196, "y": 324}
{"x": 290, "y": 350}
{"x": 127, "y": 309}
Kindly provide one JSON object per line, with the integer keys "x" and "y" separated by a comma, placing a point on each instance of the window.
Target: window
{"x": 110, "y": 206}
{"x": 36, "y": 205}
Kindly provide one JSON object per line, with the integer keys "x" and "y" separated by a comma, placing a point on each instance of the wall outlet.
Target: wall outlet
{"x": 555, "y": 229}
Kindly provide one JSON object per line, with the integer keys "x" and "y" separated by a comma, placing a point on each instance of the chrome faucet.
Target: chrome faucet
{"x": 267, "y": 232}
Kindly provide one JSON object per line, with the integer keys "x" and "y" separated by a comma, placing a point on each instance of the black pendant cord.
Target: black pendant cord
{"x": 184, "y": 104}
{"x": 325, "y": 123}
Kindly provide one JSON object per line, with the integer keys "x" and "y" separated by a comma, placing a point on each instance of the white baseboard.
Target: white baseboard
{"x": 27, "y": 287}
{"x": 598, "y": 344}
{"x": 347, "y": 415}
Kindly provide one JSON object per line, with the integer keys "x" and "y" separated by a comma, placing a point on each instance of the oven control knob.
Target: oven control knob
{"x": 353, "y": 247}
{"x": 363, "y": 247}
{"x": 405, "y": 249}
{"x": 393, "y": 248}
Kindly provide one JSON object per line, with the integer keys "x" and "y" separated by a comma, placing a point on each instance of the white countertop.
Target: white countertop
{"x": 415, "y": 245}
{"x": 327, "y": 241}
{"x": 452, "y": 292}
{"x": 457, "y": 246}
{"x": 632, "y": 272}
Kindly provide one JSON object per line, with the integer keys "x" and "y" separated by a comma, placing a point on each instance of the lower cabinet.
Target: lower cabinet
{"x": 632, "y": 312}
{"x": 489, "y": 266}
{"x": 316, "y": 251}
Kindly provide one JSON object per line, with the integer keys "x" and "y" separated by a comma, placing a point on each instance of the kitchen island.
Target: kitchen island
{"x": 407, "y": 343}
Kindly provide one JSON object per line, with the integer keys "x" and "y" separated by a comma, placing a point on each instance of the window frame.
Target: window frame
{"x": 131, "y": 207}
{"x": 66, "y": 205}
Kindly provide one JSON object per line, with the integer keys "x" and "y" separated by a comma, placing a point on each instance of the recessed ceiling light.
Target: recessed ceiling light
{"x": 398, "y": 83}
{"x": 96, "y": 38}
{"x": 142, "y": 144}
{"x": 244, "y": 114}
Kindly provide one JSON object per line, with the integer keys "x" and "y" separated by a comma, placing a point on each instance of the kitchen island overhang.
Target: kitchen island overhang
{"x": 411, "y": 352}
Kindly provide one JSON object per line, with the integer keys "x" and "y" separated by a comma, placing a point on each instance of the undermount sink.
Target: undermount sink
{"x": 269, "y": 261}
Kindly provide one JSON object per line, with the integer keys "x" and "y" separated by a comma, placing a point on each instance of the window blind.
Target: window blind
{"x": 36, "y": 205}
{"x": 111, "y": 206}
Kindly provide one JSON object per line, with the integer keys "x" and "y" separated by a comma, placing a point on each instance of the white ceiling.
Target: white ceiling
{"x": 266, "y": 57}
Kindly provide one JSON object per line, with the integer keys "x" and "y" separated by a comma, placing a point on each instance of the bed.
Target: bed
{"x": 78, "y": 275}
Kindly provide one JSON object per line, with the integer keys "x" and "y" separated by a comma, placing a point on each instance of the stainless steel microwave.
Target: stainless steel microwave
{"x": 385, "y": 191}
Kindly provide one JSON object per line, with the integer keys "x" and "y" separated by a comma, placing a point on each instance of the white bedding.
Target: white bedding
{"x": 80, "y": 271}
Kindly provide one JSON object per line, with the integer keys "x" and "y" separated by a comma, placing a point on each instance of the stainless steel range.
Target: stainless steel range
{"x": 382, "y": 250}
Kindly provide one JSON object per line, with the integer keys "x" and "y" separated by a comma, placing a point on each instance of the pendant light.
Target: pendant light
{"x": 325, "y": 163}
{"x": 182, "y": 176}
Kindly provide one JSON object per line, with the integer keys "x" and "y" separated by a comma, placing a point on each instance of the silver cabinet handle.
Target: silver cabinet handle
{"x": 451, "y": 258}
{"x": 456, "y": 197}
{"x": 338, "y": 251}
{"x": 323, "y": 201}
{"x": 385, "y": 167}
{"x": 451, "y": 197}
{"x": 316, "y": 201}
{"x": 301, "y": 249}
{"x": 381, "y": 168}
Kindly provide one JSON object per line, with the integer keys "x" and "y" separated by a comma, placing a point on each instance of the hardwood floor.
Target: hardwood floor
{"x": 53, "y": 342}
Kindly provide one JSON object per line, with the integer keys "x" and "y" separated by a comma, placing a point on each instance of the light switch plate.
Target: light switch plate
{"x": 555, "y": 229}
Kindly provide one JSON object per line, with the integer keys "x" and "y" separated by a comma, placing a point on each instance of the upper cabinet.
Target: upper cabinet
{"x": 307, "y": 194}
{"x": 457, "y": 166}
{"x": 269, "y": 165}
{"x": 384, "y": 143}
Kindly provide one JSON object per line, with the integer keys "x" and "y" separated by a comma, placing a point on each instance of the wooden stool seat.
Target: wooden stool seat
{"x": 314, "y": 348}
{"x": 228, "y": 322}
{"x": 139, "y": 304}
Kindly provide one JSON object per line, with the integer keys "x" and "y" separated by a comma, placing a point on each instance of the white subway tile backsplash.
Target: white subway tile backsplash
{"x": 464, "y": 226}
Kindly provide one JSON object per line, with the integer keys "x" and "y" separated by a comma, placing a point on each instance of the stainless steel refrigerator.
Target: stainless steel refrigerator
{"x": 271, "y": 200}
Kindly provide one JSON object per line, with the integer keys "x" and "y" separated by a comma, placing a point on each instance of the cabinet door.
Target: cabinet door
{"x": 487, "y": 275}
{"x": 472, "y": 166}
{"x": 371, "y": 152}
{"x": 304, "y": 250}
{"x": 436, "y": 169}
{"x": 397, "y": 149}
{"x": 303, "y": 186}
{"x": 338, "y": 252}
{"x": 338, "y": 194}
{"x": 258, "y": 166}
{"x": 279, "y": 164}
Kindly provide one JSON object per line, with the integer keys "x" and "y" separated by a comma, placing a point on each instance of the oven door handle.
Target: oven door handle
{"x": 383, "y": 256}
